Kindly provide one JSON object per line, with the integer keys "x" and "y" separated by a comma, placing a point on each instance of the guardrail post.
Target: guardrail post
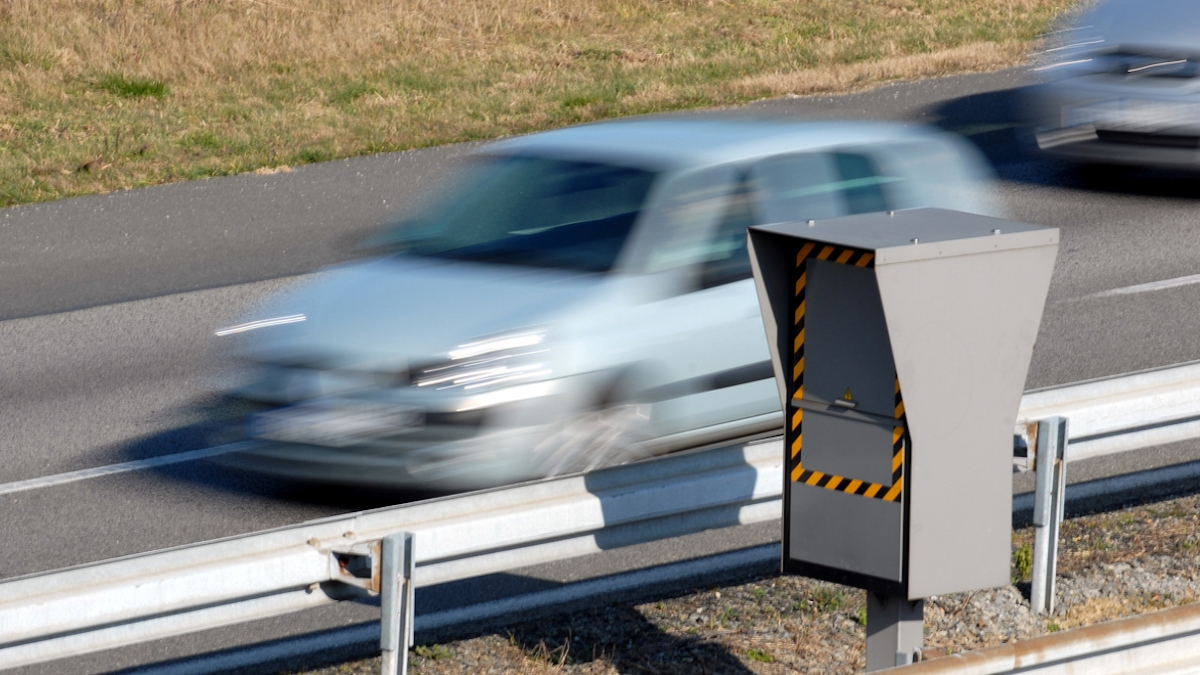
{"x": 1049, "y": 497}
{"x": 396, "y": 599}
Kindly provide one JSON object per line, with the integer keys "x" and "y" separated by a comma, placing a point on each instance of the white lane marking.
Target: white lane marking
{"x": 1146, "y": 288}
{"x": 123, "y": 467}
{"x": 261, "y": 323}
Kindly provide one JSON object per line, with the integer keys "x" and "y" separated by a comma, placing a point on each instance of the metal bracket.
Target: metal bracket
{"x": 357, "y": 565}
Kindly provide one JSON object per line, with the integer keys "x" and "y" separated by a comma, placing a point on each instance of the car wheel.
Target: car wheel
{"x": 593, "y": 439}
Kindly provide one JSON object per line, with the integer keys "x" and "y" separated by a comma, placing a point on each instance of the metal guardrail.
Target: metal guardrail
{"x": 1126, "y": 412}
{"x": 155, "y": 595}
{"x": 144, "y": 597}
{"x": 1166, "y": 642}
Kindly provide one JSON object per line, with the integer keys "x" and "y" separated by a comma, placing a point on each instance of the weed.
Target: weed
{"x": 828, "y": 599}
{"x": 759, "y": 655}
{"x": 414, "y": 80}
{"x": 1053, "y": 627}
{"x": 312, "y": 156}
{"x": 131, "y": 87}
{"x": 201, "y": 140}
{"x": 22, "y": 53}
{"x": 760, "y": 593}
{"x": 560, "y": 655}
{"x": 862, "y": 615}
{"x": 1022, "y": 563}
{"x": 598, "y": 53}
{"x": 434, "y": 652}
{"x": 352, "y": 92}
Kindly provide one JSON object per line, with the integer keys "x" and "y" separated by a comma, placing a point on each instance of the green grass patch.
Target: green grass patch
{"x": 202, "y": 140}
{"x": 828, "y": 599}
{"x": 759, "y": 655}
{"x": 434, "y": 652}
{"x": 1022, "y": 563}
{"x": 131, "y": 87}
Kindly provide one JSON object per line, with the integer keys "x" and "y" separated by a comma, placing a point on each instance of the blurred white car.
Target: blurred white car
{"x": 1121, "y": 84}
{"x": 583, "y": 298}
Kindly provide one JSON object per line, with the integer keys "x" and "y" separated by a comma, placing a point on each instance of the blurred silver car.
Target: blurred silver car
{"x": 583, "y": 298}
{"x": 1121, "y": 84}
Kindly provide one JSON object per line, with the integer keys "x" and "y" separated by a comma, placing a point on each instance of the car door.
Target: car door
{"x": 680, "y": 343}
{"x": 736, "y": 382}
{"x": 706, "y": 347}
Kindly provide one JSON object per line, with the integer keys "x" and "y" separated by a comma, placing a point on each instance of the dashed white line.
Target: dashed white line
{"x": 1146, "y": 288}
{"x": 123, "y": 467}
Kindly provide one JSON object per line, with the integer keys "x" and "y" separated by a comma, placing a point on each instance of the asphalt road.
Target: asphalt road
{"x": 109, "y": 303}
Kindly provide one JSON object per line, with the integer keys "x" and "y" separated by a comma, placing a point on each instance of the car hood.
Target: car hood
{"x": 402, "y": 309}
{"x": 1156, "y": 25}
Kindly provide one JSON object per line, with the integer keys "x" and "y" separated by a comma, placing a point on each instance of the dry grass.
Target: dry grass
{"x": 98, "y": 95}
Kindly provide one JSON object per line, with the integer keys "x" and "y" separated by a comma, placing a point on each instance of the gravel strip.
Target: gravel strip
{"x": 1111, "y": 565}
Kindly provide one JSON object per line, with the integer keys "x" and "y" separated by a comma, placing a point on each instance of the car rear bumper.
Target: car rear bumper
{"x": 1130, "y": 148}
{"x": 1101, "y": 121}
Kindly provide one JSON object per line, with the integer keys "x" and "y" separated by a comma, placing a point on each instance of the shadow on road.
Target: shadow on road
{"x": 214, "y": 476}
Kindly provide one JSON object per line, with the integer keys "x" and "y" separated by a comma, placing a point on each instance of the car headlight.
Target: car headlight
{"x": 500, "y": 360}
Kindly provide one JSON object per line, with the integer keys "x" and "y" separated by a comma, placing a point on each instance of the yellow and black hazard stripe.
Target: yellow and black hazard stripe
{"x": 898, "y": 443}
{"x": 891, "y": 493}
{"x": 838, "y": 254}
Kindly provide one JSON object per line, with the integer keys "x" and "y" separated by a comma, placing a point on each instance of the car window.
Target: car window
{"x": 788, "y": 188}
{"x": 679, "y": 224}
{"x": 820, "y": 185}
{"x": 861, "y": 185}
{"x": 533, "y": 211}
{"x": 797, "y": 187}
{"x": 728, "y": 260}
{"x": 940, "y": 174}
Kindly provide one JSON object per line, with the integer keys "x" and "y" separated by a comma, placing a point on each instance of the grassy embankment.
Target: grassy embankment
{"x": 99, "y": 95}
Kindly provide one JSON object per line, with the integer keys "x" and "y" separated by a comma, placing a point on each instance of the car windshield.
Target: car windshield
{"x": 532, "y": 211}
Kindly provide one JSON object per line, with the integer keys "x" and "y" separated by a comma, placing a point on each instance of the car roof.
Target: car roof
{"x": 671, "y": 142}
{"x": 1151, "y": 25}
